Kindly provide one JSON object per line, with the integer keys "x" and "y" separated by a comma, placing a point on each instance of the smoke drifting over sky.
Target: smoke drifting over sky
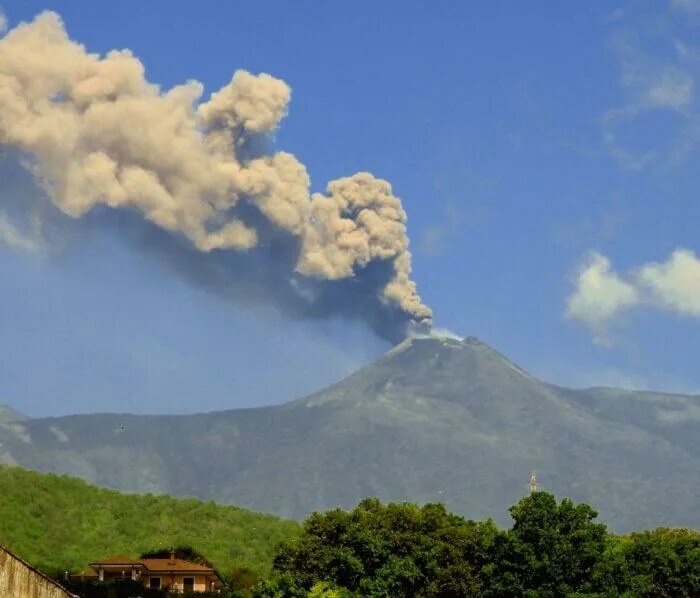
{"x": 98, "y": 137}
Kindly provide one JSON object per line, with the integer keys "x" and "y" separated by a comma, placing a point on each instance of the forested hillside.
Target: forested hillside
{"x": 551, "y": 549}
{"x": 59, "y": 523}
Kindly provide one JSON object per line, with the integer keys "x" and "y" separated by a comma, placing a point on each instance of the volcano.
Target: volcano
{"x": 435, "y": 419}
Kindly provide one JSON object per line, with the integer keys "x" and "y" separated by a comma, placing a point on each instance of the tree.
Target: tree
{"x": 554, "y": 549}
{"x": 388, "y": 550}
{"x": 662, "y": 562}
{"x": 243, "y": 579}
{"x": 551, "y": 550}
{"x": 327, "y": 590}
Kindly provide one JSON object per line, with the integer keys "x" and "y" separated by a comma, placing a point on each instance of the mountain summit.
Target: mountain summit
{"x": 435, "y": 419}
{"x": 464, "y": 371}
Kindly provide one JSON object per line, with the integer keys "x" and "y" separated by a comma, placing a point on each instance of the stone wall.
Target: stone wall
{"x": 20, "y": 580}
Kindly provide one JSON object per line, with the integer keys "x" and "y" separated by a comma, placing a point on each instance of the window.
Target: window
{"x": 188, "y": 584}
{"x": 154, "y": 583}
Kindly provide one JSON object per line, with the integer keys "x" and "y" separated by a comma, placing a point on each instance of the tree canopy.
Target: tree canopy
{"x": 61, "y": 524}
{"x": 552, "y": 549}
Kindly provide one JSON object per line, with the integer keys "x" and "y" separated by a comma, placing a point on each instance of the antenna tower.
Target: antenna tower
{"x": 533, "y": 482}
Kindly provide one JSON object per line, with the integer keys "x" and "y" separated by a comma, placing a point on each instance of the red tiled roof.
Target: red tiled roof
{"x": 89, "y": 572}
{"x": 155, "y": 565}
{"x": 116, "y": 560}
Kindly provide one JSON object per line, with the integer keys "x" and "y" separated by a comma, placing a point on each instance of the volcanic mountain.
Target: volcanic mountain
{"x": 435, "y": 419}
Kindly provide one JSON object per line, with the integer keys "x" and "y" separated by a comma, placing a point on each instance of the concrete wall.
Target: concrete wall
{"x": 19, "y": 580}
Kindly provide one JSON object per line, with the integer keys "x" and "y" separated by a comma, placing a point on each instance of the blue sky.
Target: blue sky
{"x": 526, "y": 142}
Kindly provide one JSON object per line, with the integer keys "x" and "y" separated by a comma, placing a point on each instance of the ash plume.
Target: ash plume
{"x": 103, "y": 143}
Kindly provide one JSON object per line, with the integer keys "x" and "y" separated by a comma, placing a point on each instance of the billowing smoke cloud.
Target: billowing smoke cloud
{"x": 602, "y": 294}
{"x": 99, "y": 136}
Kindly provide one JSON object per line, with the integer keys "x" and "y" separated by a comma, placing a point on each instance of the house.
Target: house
{"x": 19, "y": 578}
{"x": 172, "y": 574}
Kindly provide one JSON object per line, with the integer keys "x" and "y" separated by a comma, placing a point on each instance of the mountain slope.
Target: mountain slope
{"x": 60, "y": 523}
{"x": 9, "y": 415}
{"x": 435, "y": 419}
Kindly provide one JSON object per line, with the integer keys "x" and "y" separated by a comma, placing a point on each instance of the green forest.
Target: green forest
{"x": 553, "y": 548}
{"x": 59, "y": 524}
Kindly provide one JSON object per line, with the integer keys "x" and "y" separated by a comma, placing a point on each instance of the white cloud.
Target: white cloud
{"x": 654, "y": 82}
{"x": 675, "y": 284}
{"x": 691, "y": 6}
{"x": 601, "y": 294}
{"x": 671, "y": 89}
{"x": 14, "y": 239}
{"x": 3, "y": 22}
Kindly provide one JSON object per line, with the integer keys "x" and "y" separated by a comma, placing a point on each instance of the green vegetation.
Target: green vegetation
{"x": 552, "y": 550}
{"x": 60, "y": 524}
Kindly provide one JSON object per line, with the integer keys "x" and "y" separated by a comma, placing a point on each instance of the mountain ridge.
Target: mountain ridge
{"x": 434, "y": 419}
{"x": 9, "y": 415}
